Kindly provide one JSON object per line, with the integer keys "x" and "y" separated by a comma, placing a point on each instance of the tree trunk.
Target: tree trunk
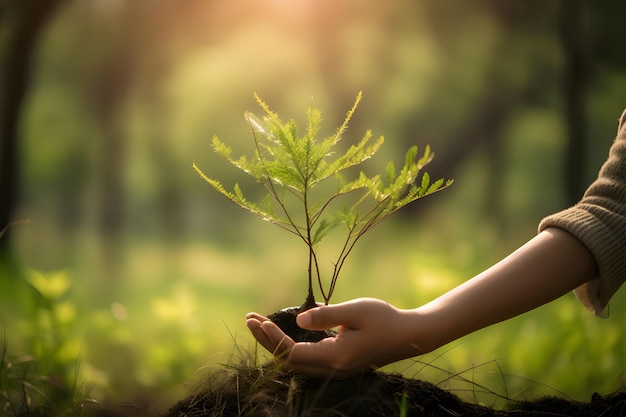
{"x": 27, "y": 20}
{"x": 575, "y": 77}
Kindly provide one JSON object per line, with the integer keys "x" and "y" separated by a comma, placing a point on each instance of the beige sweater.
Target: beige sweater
{"x": 598, "y": 220}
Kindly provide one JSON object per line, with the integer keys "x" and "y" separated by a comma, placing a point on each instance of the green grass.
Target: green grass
{"x": 29, "y": 387}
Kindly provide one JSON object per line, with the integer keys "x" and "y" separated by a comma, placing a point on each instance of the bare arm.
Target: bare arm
{"x": 373, "y": 333}
{"x": 545, "y": 268}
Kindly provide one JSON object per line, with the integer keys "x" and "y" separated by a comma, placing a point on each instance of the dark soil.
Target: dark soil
{"x": 265, "y": 391}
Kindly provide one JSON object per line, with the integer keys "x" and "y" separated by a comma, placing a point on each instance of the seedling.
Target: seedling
{"x": 293, "y": 169}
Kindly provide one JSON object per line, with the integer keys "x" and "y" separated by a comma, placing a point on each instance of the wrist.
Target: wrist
{"x": 425, "y": 330}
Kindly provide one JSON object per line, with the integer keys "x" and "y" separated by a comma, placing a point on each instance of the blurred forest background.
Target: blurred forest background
{"x": 120, "y": 264}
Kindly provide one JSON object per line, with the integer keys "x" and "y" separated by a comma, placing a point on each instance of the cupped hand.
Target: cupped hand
{"x": 370, "y": 333}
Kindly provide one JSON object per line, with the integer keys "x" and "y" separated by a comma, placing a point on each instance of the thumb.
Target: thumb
{"x": 326, "y": 317}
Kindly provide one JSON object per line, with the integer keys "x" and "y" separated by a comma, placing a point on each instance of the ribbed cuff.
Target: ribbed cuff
{"x": 598, "y": 237}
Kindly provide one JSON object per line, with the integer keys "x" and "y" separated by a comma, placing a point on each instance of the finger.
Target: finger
{"x": 320, "y": 359}
{"x": 281, "y": 346}
{"x": 256, "y": 316}
{"x": 348, "y": 314}
{"x": 280, "y": 342}
{"x": 320, "y": 354}
{"x": 257, "y": 331}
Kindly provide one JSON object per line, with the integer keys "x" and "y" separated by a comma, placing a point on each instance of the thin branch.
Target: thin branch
{"x": 13, "y": 223}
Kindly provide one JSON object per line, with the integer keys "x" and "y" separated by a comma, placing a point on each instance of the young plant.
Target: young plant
{"x": 292, "y": 168}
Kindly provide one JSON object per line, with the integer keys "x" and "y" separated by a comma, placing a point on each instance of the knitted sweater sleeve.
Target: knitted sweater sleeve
{"x": 598, "y": 220}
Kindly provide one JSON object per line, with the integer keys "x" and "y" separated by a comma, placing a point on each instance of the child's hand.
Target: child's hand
{"x": 371, "y": 333}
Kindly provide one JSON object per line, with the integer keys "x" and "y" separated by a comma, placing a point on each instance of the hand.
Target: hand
{"x": 371, "y": 333}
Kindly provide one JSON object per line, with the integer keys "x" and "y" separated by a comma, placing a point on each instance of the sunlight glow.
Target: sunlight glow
{"x": 119, "y": 311}
{"x": 292, "y": 8}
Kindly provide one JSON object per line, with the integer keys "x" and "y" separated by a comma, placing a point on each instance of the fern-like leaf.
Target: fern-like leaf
{"x": 290, "y": 166}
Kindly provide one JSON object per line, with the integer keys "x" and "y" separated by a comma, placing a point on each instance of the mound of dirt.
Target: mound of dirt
{"x": 268, "y": 391}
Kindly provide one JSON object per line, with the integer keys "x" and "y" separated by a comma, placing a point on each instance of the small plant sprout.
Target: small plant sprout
{"x": 292, "y": 169}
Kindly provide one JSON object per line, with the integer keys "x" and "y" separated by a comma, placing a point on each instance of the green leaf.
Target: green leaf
{"x": 322, "y": 229}
{"x": 391, "y": 172}
{"x": 425, "y": 184}
{"x": 52, "y": 285}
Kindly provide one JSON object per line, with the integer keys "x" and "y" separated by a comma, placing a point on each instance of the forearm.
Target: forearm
{"x": 548, "y": 266}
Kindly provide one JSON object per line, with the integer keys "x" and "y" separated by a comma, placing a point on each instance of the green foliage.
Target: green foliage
{"x": 26, "y": 391}
{"x": 43, "y": 382}
{"x": 288, "y": 165}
